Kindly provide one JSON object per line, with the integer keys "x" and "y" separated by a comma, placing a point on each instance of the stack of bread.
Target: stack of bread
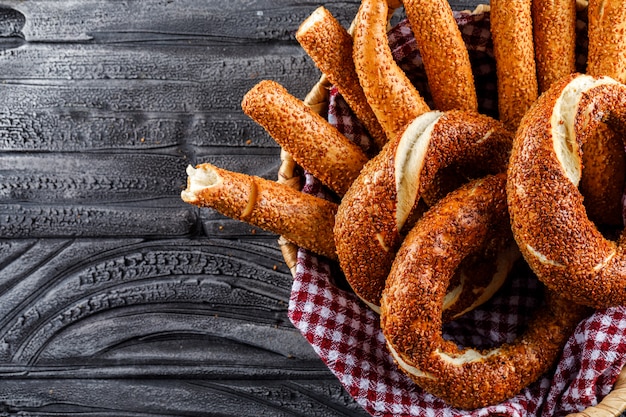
{"x": 428, "y": 217}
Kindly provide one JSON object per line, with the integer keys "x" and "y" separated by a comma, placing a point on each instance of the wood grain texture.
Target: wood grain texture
{"x": 116, "y": 298}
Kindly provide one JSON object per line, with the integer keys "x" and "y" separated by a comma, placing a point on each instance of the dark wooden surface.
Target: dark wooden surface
{"x": 116, "y": 298}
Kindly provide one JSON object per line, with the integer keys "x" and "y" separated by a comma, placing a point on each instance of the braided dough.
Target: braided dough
{"x": 562, "y": 246}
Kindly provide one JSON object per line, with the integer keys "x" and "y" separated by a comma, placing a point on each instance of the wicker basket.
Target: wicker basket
{"x": 613, "y": 405}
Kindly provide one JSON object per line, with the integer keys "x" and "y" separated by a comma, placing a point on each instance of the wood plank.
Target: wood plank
{"x": 70, "y": 283}
{"x": 77, "y": 309}
{"x": 116, "y": 298}
{"x": 312, "y": 397}
{"x": 96, "y": 20}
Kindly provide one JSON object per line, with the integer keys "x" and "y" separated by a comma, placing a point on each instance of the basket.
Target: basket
{"x": 345, "y": 333}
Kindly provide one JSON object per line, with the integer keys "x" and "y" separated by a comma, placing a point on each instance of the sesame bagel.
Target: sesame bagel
{"x": 372, "y": 214}
{"x": 607, "y": 43}
{"x": 549, "y": 221}
{"x": 604, "y": 159}
{"x": 554, "y": 35}
{"x": 461, "y": 224}
{"x": 604, "y": 177}
{"x": 311, "y": 140}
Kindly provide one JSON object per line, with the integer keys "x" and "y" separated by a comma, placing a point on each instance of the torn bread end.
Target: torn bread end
{"x": 199, "y": 178}
{"x": 310, "y": 23}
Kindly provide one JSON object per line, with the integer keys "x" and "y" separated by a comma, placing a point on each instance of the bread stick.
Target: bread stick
{"x": 512, "y": 33}
{"x": 445, "y": 56}
{"x": 313, "y": 143}
{"x": 330, "y": 47}
{"x": 554, "y": 30}
{"x": 392, "y": 96}
{"x": 301, "y": 218}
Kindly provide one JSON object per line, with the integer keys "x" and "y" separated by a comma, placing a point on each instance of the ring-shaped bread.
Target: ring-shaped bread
{"x": 411, "y": 310}
{"x": 563, "y": 247}
{"x": 372, "y": 214}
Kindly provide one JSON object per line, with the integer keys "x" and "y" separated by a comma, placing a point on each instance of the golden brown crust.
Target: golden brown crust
{"x": 393, "y": 98}
{"x": 478, "y": 277}
{"x": 301, "y": 218}
{"x": 549, "y": 221}
{"x": 314, "y": 143}
{"x": 447, "y": 179}
{"x": 554, "y": 30}
{"x": 604, "y": 177}
{"x": 607, "y": 42}
{"x": 604, "y": 158}
{"x": 366, "y": 229}
{"x": 445, "y": 56}
{"x": 411, "y": 309}
{"x": 330, "y": 46}
{"x": 511, "y": 31}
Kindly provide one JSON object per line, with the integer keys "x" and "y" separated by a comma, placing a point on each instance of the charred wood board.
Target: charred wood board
{"x": 116, "y": 298}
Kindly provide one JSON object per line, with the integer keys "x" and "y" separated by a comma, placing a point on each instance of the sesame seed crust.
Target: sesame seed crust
{"x": 548, "y": 218}
{"x": 554, "y": 31}
{"x": 445, "y": 56}
{"x": 607, "y": 39}
{"x": 301, "y": 218}
{"x": 330, "y": 46}
{"x": 458, "y": 226}
{"x": 366, "y": 231}
{"x": 390, "y": 93}
{"x": 512, "y": 34}
{"x": 311, "y": 140}
{"x": 604, "y": 157}
{"x": 604, "y": 177}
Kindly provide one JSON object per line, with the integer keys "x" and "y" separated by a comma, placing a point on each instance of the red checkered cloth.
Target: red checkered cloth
{"x": 347, "y": 335}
